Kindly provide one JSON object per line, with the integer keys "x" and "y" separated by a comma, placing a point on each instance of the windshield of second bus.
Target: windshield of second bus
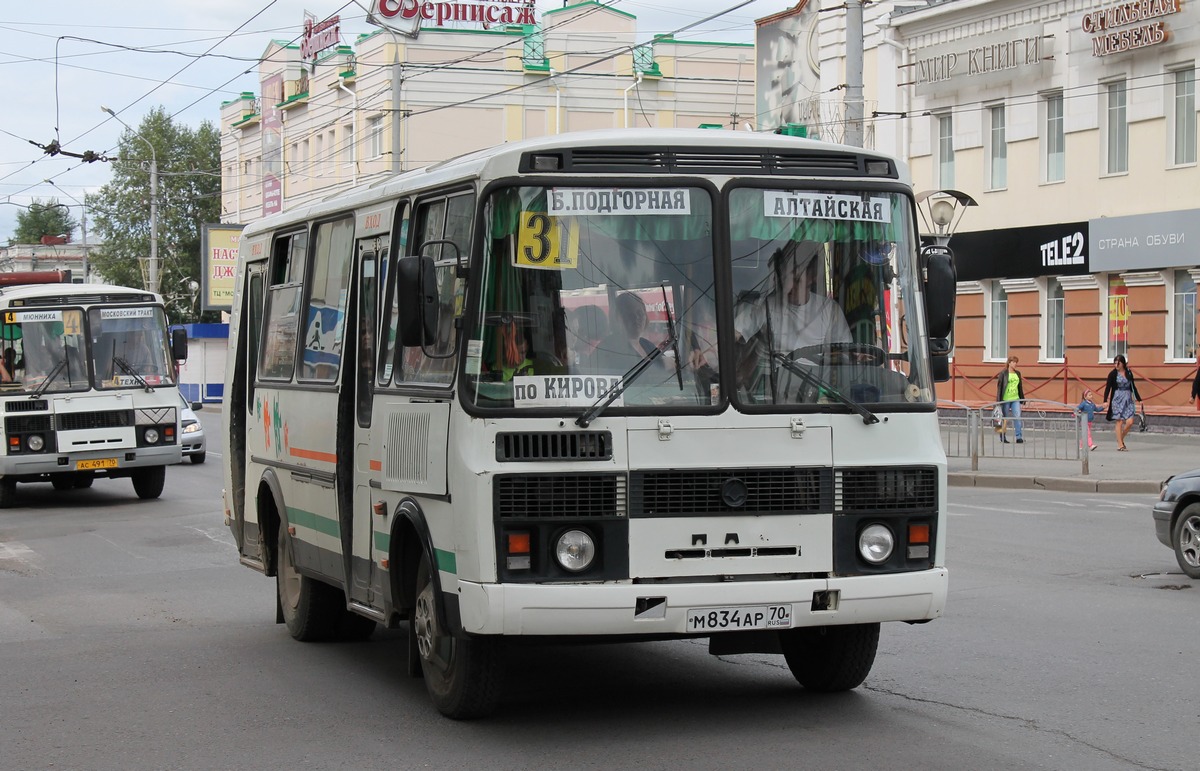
{"x": 581, "y": 289}
{"x": 43, "y": 351}
{"x": 129, "y": 347}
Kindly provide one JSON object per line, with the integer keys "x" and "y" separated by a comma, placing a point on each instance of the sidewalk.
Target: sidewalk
{"x": 1152, "y": 457}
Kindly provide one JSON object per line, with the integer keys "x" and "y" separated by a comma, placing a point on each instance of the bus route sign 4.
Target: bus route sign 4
{"x": 757, "y": 617}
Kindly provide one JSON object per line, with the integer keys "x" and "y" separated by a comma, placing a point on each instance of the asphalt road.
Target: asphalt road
{"x": 130, "y": 638}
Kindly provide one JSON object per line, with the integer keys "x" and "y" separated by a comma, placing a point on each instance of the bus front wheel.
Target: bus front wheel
{"x": 830, "y": 658}
{"x": 312, "y": 610}
{"x": 463, "y": 675}
{"x": 148, "y": 482}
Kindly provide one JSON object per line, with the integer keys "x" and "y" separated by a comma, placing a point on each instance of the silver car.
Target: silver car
{"x": 192, "y": 430}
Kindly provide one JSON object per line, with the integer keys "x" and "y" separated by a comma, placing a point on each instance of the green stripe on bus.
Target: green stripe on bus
{"x": 446, "y": 561}
{"x": 302, "y": 518}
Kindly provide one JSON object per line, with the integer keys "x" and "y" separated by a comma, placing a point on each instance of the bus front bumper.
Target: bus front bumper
{"x": 664, "y": 609}
{"x": 113, "y": 463}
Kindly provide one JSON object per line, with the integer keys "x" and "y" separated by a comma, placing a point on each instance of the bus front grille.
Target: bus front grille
{"x": 555, "y": 496}
{"x": 79, "y": 421}
{"x": 887, "y": 488}
{"x": 745, "y": 491}
{"x": 553, "y": 445}
{"x": 27, "y": 405}
{"x": 24, "y": 424}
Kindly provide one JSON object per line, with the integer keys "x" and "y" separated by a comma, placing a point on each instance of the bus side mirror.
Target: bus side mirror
{"x": 941, "y": 280}
{"x": 939, "y": 359}
{"x": 179, "y": 344}
{"x": 416, "y": 292}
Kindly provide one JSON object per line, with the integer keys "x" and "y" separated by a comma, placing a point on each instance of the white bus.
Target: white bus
{"x": 621, "y": 385}
{"x": 87, "y": 386}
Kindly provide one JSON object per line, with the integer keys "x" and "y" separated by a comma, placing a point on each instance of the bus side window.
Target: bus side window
{"x": 446, "y": 218}
{"x": 325, "y": 320}
{"x": 387, "y": 343}
{"x": 277, "y": 349}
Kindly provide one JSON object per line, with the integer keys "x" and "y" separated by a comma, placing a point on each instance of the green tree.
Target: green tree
{"x": 189, "y": 195}
{"x": 48, "y": 218}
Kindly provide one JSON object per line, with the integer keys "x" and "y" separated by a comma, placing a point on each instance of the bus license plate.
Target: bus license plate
{"x": 729, "y": 619}
{"x": 87, "y": 465}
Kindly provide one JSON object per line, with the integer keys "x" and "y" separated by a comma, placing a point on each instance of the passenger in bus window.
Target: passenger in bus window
{"x": 6, "y": 368}
{"x": 625, "y": 344}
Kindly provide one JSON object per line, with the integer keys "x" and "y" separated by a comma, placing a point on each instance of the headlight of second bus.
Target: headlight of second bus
{"x": 875, "y": 543}
{"x": 151, "y": 436}
{"x": 35, "y": 443}
{"x": 575, "y": 550}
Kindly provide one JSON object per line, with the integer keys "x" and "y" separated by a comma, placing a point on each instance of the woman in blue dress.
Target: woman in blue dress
{"x": 1125, "y": 396}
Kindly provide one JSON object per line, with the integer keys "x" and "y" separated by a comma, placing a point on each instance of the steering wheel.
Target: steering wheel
{"x": 863, "y": 353}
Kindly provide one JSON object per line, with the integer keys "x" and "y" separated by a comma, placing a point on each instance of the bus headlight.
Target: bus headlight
{"x": 575, "y": 550}
{"x": 35, "y": 443}
{"x": 875, "y": 543}
{"x": 151, "y": 436}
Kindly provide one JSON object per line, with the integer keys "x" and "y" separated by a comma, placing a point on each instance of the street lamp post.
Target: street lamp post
{"x": 82, "y": 225}
{"x": 153, "y": 269}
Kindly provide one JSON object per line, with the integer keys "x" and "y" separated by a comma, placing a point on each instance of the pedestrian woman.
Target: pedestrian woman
{"x": 1196, "y": 388}
{"x": 1010, "y": 390}
{"x": 1122, "y": 406}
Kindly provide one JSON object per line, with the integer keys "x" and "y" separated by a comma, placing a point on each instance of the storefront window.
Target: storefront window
{"x": 998, "y": 314}
{"x": 1118, "y": 316}
{"x": 1184, "y": 316}
{"x": 1055, "y": 319}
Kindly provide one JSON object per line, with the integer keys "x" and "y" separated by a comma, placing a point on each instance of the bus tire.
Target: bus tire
{"x": 84, "y": 481}
{"x": 463, "y": 675}
{"x": 312, "y": 610}
{"x": 148, "y": 482}
{"x": 8, "y": 493}
{"x": 829, "y": 659}
{"x": 62, "y": 482}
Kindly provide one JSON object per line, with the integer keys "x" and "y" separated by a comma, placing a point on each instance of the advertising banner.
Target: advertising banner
{"x": 218, "y": 265}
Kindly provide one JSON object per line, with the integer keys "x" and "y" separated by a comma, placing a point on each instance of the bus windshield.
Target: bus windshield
{"x": 129, "y": 347}
{"x": 816, "y": 316}
{"x": 45, "y": 350}
{"x": 581, "y": 284}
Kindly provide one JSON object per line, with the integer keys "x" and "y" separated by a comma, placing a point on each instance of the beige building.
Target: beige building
{"x": 1072, "y": 123}
{"x": 20, "y": 258}
{"x": 391, "y": 102}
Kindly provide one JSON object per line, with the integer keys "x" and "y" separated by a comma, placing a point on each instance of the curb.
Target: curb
{"x": 1059, "y": 484}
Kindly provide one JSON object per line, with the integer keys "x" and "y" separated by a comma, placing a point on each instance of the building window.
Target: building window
{"x": 1055, "y": 319}
{"x": 998, "y": 314}
{"x": 1118, "y": 316}
{"x": 1054, "y": 156}
{"x": 1184, "y": 123}
{"x": 945, "y": 152}
{"x": 375, "y": 137}
{"x": 1117, "y": 124}
{"x": 997, "y": 150}
{"x": 1184, "y": 307}
{"x": 348, "y": 143}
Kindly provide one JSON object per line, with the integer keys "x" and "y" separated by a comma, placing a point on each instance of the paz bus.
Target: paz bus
{"x": 621, "y": 385}
{"x": 87, "y": 385}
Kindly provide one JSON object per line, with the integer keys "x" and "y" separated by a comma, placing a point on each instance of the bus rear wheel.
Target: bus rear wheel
{"x": 312, "y": 610}
{"x": 148, "y": 482}
{"x": 830, "y": 658}
{"x": 462, "y": 674}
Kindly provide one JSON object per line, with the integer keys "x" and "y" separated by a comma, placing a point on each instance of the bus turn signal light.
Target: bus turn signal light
{"x": 518, "y": 551}
{"x": 918, "y": 541}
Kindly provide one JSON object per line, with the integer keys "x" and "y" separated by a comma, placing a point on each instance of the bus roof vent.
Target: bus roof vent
{"x": 512, "y": 447}
{"x": 709, "y": 160}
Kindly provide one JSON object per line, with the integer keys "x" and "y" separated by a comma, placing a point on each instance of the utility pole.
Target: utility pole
{"x": 854, "y": 73}
{"x": 152, "y": 272}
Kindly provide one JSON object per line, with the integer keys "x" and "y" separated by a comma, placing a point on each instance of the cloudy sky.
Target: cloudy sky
{"x": 62, "y": 66}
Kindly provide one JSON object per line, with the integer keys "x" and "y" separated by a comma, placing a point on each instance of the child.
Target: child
{"x": 1088, "y": 407}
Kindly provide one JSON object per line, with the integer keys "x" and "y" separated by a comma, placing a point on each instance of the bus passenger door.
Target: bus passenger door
{"x": 359, "y": 391}
{"x": 241, "y": 404}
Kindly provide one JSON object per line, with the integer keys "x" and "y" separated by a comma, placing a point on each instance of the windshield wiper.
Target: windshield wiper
{"x": 50, "y": 378}
{"x": 813, "y": 380}
{"x": 674, "y": 339}
{"x": 601, "y": 404}
{"x": 129, "y": 370}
